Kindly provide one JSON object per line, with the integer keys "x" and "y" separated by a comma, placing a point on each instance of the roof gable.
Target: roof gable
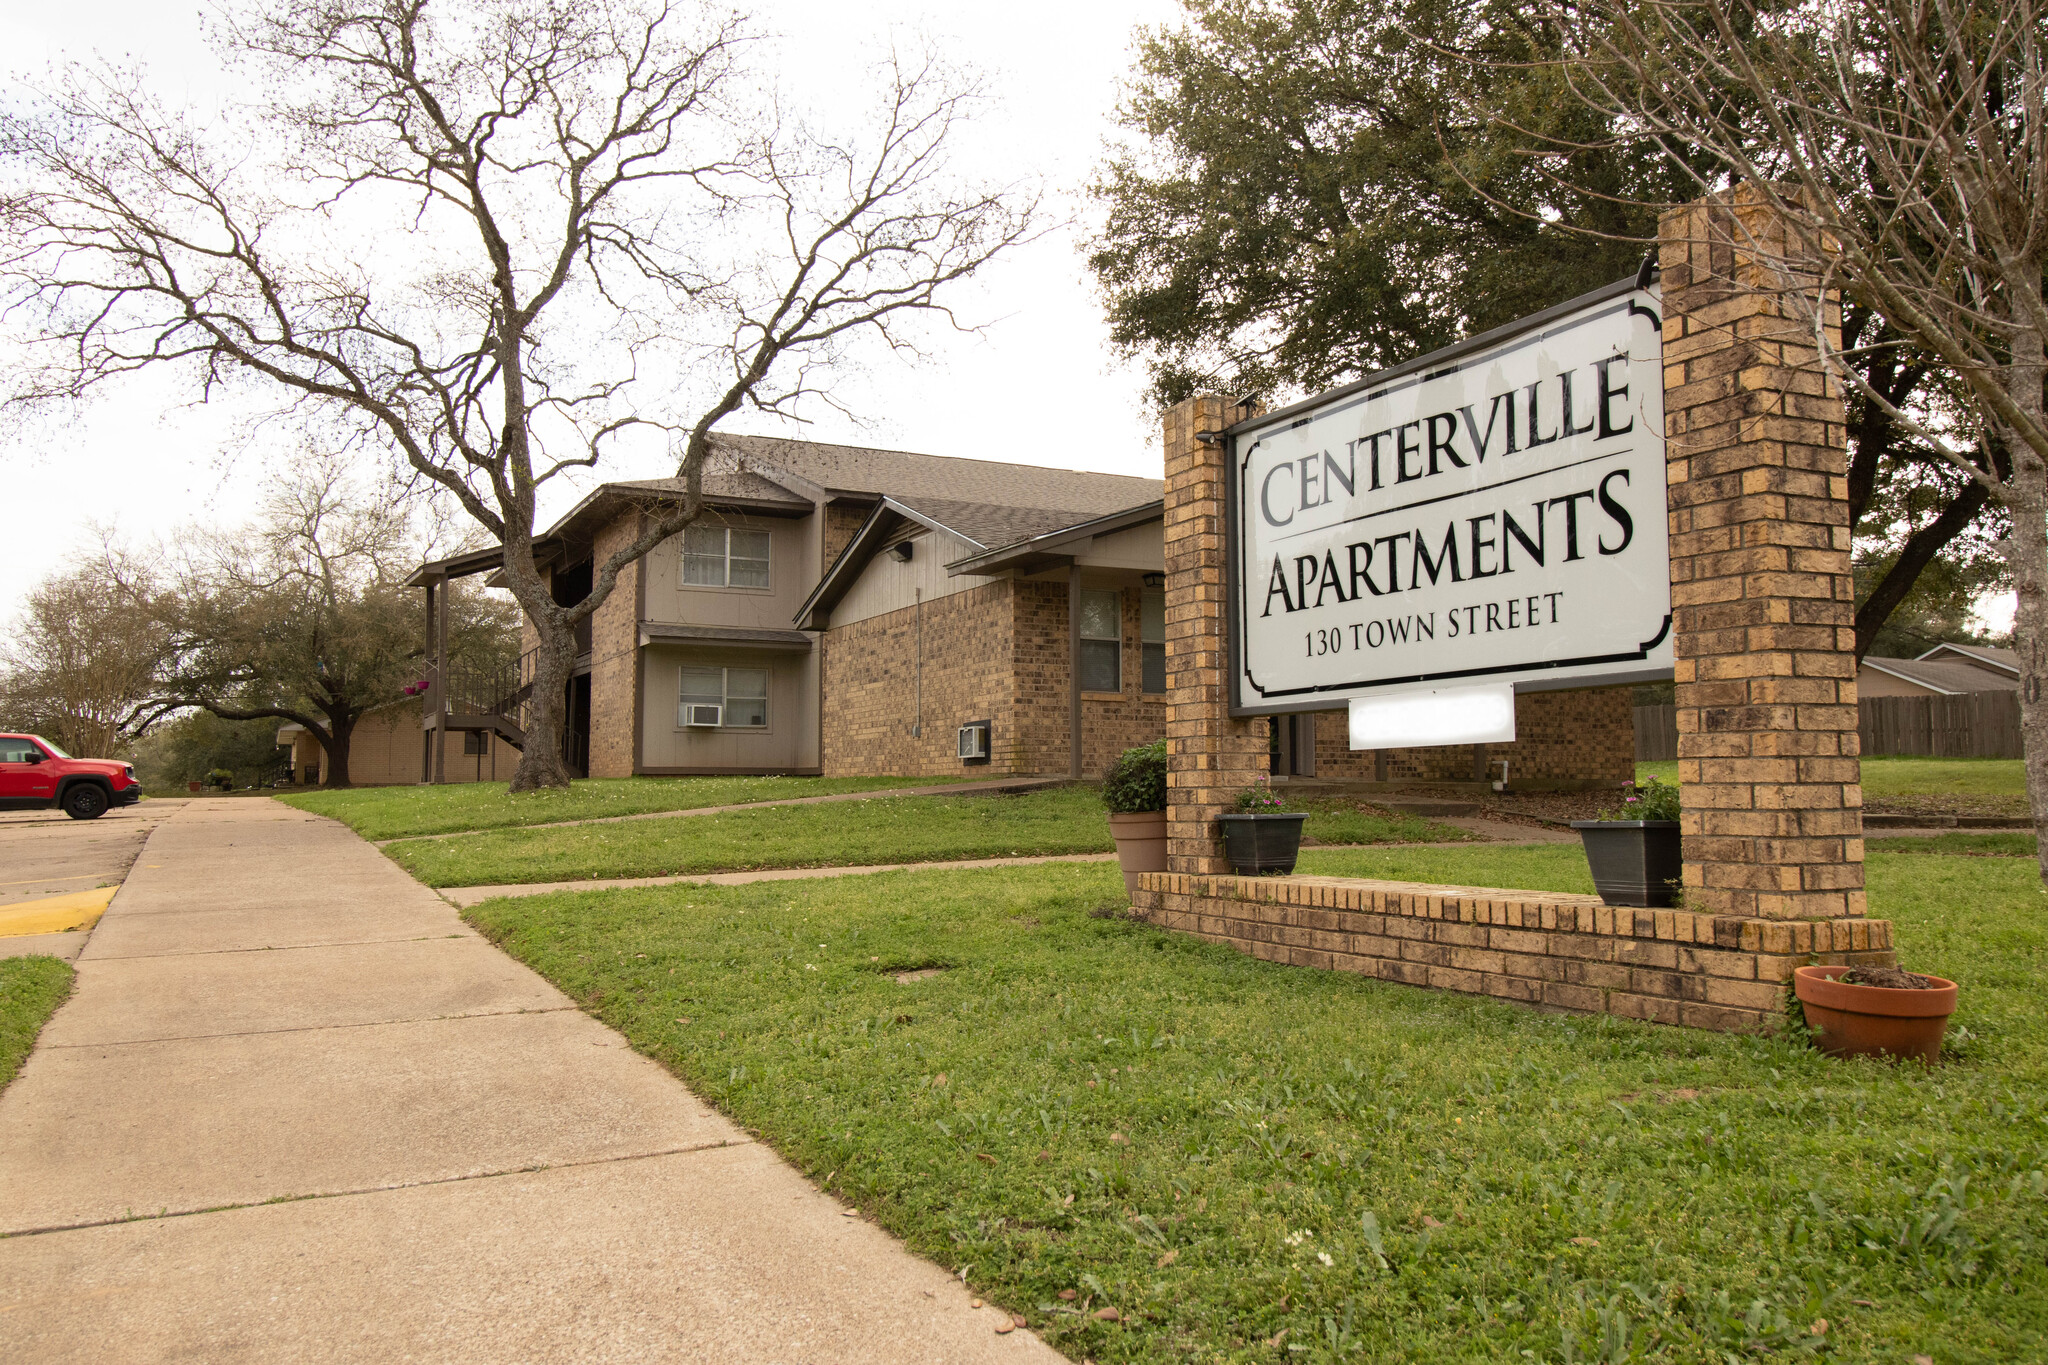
{"x": 863, "y": 472}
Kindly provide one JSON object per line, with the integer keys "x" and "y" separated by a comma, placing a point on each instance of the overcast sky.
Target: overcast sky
{"x": 1038, "y": 385}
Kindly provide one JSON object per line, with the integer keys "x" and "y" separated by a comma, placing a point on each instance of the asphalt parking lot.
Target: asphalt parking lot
{"x": 46, "y": 854}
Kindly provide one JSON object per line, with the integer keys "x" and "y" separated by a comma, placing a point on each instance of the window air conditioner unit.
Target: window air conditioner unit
{"x": 703, "y": 715}
{"x": 974, "y": 742}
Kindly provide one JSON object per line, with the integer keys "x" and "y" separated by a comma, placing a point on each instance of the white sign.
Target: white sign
{"x": 1491, "y": 513}
{"x": 1414, "y": 718}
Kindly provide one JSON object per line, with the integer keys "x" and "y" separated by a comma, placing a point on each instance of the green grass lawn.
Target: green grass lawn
{"x": 1897, "y": 775}
{"x": 904, "y": 829}
{"x": 1258, "y": 1163}
{"x": 31, "y": 988}
{"x": 402, "y": 812}
{"x": 1988, "y": 844}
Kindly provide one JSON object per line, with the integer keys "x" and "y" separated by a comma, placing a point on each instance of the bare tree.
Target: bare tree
{"x": 1905, "y": 143}
{"x": 496, "y": 239}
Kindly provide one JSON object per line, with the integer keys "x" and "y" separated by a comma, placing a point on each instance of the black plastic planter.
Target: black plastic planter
{"x": 1257, "y": 844}
{"x": 1635, "y": 862}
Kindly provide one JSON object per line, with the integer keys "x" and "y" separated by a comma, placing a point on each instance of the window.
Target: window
{"x": 473, "y": 744}
{"x": 741, "y": 694}
{"x": 19, "y": 751}
{"x": 725, "y": 557}
{"x": 1152, "y": 637}
{"x": 1102, "y": 641}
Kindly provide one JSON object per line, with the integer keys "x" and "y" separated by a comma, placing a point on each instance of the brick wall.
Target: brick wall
{"x": 871, "y": 689}
{"x": 1110, "y": 722}
{"x": 1761, "y": 594}
{"x": 1562, "y": 952}
{"x": 1038, "y": 659}
{"x": 614, "y": 656}
{"x": 841, "y": 521}
{"x": 997, "y": 652}
{"x": 1583, "y": 736}
{"x": 1211, "y": 755}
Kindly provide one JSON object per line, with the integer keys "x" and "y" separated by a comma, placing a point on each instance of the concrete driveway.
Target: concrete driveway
{"x": 45, "y": 854}
{"x": 296, "y": 1110}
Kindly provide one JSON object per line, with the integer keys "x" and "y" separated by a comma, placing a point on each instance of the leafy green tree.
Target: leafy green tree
{"x": 305, "y": 617}
{"x": 1317, "y": 189}
{"x": 190, "y": 746}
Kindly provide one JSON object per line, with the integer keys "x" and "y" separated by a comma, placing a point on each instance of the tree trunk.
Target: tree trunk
{"x": 344, "y": 728}
{"x": 541, "y": 763}
{"x": 2029, "y": 558}
{"x": 1920, "y": 550}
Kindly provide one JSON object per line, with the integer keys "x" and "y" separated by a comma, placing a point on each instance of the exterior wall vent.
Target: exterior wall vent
{"x": 973, "y": 741}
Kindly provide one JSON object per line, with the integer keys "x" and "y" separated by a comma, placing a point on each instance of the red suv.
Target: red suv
{"x": 35, "y": 775}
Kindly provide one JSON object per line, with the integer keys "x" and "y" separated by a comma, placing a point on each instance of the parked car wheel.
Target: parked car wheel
{"x": 85, "y": 801}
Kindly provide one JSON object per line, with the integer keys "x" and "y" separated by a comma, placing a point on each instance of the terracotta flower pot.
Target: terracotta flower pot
{"x": 1874, "y": 1021}
{"x": 1140, "y": 844}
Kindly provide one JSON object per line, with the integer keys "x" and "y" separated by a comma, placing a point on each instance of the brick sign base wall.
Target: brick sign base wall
{"x": 1561, "y": 952}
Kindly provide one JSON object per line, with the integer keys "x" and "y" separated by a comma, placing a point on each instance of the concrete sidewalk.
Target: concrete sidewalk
{"x": 296, "y": 1110}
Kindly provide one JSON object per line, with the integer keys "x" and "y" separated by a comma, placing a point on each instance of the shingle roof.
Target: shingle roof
{"x": 903, "y": 475}
{"x": 1945, "y": 676}
{"x": 736, "y": 484}
{"x": 989, "y": 525}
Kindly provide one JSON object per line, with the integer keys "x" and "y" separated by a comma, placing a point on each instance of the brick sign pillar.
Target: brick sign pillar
{"x": 1211, "y": 757}
{"x": 1761, "y": 591}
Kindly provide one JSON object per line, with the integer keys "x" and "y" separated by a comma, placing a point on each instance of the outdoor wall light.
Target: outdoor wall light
{"x": 1435, "y": 715}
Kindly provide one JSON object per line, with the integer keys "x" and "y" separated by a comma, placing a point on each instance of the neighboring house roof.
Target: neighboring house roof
{"x": 1945, "y": 677}
{"x": 859, "y": 470}
{"x": 1987, "y": 656}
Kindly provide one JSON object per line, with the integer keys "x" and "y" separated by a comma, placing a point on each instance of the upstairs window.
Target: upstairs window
{"x": 741, "y": 694}
{"x": 1102, "y": 641}
{"x": 1152, "y": 638}
{"x": 724, "y": 557}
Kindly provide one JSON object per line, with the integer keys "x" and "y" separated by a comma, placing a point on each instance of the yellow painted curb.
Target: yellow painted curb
{"x": 54, "y": 914}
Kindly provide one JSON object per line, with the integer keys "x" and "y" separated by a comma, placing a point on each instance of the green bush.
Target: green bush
{"x": 1138, "y": 781}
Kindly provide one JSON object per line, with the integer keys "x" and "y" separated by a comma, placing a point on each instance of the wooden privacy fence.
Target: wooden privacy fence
{"x": 1656, "y": 733}
{"x": 1971, "y": 725}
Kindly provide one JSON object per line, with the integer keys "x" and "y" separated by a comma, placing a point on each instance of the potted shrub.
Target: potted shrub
{"x": 1875, "y": 1011}
{"x": 1135, "y": 792}
{"x": 1633, "y": 849}
{"x": 1261, "y": 835}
